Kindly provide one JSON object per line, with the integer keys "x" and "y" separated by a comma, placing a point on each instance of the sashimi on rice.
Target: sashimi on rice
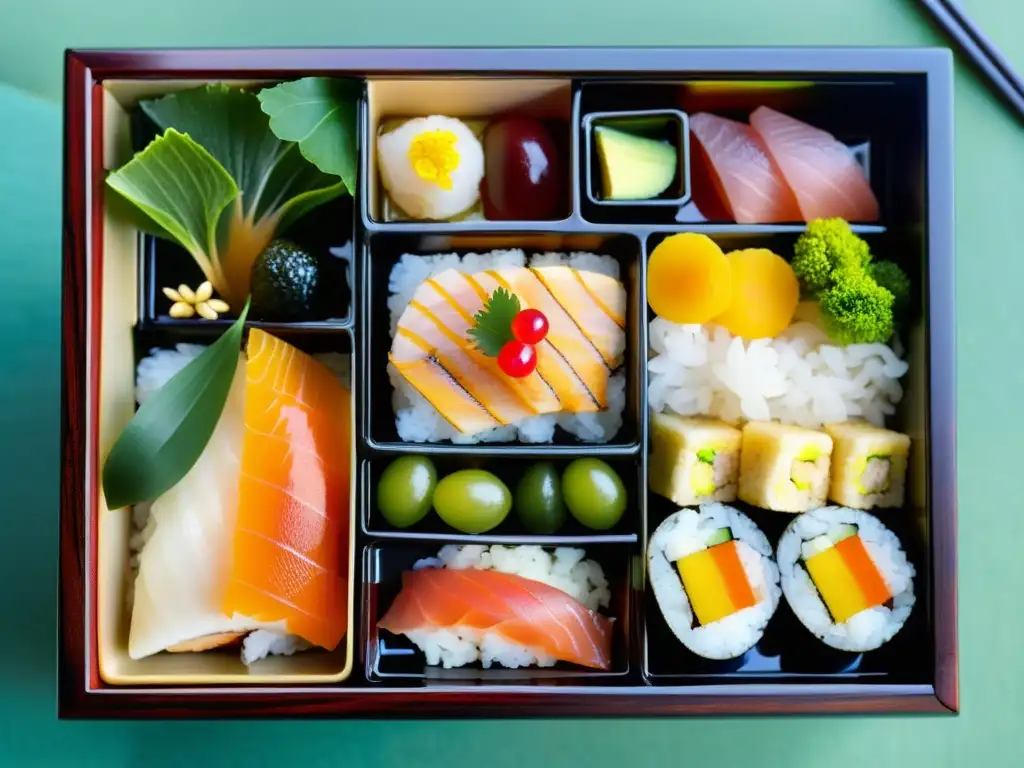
{"x": 511, "y": 606}
{"x": 219, "y": 548}
{"x": 447, "y": 387}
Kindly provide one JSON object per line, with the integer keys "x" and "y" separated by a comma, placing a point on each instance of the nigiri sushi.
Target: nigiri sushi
{"x": 264, "y": 508}
{"x": 434, "y": 353}
{"x": 514, "y": 606}
{"x": 822, "y": 172}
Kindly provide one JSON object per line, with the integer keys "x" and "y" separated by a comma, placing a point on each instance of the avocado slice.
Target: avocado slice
{"x": 633, "y": 167}
{"x": 842, "y": 531}
{"x": 706, "y": 455}
{"x": 719, "y": 536}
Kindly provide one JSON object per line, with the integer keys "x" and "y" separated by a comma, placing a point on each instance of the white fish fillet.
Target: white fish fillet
{"x": 183, "y": 566}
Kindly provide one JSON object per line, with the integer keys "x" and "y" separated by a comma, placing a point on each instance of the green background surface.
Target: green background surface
{"x": 989, "y": 197}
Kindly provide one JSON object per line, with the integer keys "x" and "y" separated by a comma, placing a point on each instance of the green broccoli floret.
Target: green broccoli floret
{"x": 827, "y": 252}
{"x": 889, "y": 275}
{"x": 857, "y": 310}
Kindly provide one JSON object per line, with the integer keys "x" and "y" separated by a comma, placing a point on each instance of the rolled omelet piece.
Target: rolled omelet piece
{"x": 783, "y": 467}
{"x": 869, "y": 465}
{"x": 693, "y": 460}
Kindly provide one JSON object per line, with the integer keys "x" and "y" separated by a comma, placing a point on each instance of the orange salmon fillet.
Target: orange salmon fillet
{"x": 522, "y": 611}
{"x": 290, "y": 546}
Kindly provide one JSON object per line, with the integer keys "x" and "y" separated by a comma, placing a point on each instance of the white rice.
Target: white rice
{"x": 796, "y": 378}
{"x": 152, "y": 373}
{"x": 686, "y": 532}
{"x": 869, "y": 629}
{"x": 417, "y": 421}
{"x": 565, "y": 568}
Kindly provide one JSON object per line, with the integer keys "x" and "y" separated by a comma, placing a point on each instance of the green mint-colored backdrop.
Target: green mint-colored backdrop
{"x": 990, "y": 209}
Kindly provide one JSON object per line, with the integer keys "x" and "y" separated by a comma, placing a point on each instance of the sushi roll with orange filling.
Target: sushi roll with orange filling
{"x": 713, "y": 576}
{"x": 846, "y": 577}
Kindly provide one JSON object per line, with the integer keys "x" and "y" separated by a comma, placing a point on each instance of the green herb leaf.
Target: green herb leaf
{"x": 183, "y": 189}
{"x": 492, "y": 325}
{"x": 319, "y": 113}
{"x": 229, "y": 123}
{"x": 706, "y": 455}
{"x": 170, "y": 430}
{"x": 274, "y": 184}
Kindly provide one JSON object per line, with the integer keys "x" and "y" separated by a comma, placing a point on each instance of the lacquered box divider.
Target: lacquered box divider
{"x": 633, "y": 684}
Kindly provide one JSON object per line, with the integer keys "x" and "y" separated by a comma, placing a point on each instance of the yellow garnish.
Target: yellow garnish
{"x": 198, "y": 302}
{"x": 434, "y": 157}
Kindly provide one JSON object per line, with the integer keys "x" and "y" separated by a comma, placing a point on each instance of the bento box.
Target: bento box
{"x": 508, "y": 383}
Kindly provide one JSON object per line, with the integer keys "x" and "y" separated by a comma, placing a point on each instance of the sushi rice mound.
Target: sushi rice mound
{"x": 684, "y": 533}
{"x": 565, "y": 568}
{"x": 418, "y": 421}
{"x": 152, "y": 373}
{"x": 871, "y": 628}
{"x": 796, "y": 378}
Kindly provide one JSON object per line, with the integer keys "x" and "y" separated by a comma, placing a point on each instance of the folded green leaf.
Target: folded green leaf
{"x": 171, "y": 429}
{"x": 183, "y": 189}
{"x": 320, "y": 114}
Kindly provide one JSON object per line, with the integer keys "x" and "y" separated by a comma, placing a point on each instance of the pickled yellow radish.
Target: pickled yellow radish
{"x": 689, "y": 279}
{"x": 765, "y": 294}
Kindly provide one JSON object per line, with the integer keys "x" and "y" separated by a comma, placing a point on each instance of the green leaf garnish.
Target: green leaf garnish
{"x": 318, "y": 113}
{"x": 706, "y": 455}
{"x": 273, "y": 183}
{"x": 492, "y": 325}
{"x": 184, "y": 190}
{"x": 170, "y": 430}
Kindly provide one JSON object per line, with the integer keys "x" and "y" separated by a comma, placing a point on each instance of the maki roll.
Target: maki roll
{"x": 693, "y": 460}
{"x": 846, "y": 577}
{"x": 713, "y": 576}
{"x": 784, "y": 467}
{"x": 869, "y": 465}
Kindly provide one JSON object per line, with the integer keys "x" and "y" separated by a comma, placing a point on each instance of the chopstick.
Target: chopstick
{"x": 980, "y": 49}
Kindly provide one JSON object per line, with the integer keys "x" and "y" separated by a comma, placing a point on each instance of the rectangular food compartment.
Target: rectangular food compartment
{"x": 395, "y": 660}
{"x": 478, "y": 103}
{"x": 386, "y": 249}
{"x": 326, "y": 233}
{"x": 509, "y": 470}
{"x": 665, "y": 126}
{"x": 121, "y": 348}
{"x": 892, "y": 108}
{"x": 880, "y": 118}
{"x": 788, "y": 653}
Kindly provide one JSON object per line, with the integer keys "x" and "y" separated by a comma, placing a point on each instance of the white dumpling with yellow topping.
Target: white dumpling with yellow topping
{"x": 431, "y": 166}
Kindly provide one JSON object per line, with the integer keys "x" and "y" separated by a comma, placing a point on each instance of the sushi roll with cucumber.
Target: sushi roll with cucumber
{"x": 693, "y": 460}
{"x": 783, "y": 467}
{"x": 714, "y": 578}
{"x": 846, "y": 577}
{"x": 869, "y": 465}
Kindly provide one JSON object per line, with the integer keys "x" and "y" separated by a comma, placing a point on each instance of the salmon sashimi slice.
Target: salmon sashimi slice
{"x": 595, "y": 319}
{"x": 742, "y": 174}
{"x": 521, "y": 611}
{"x": 564, "y": 332}
{"x": 437, "y": 320}
{"x": 821, "y": 171}
{"x": 429, "y": 377}
{"x": 552, "y": 366}
{"x": 290, "y": 546}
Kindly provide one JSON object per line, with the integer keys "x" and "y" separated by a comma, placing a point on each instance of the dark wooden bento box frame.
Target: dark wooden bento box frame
{"x": 81, "y": 691}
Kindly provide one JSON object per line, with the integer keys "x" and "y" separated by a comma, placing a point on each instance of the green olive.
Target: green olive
{"x": 538, "y": 499}
{"x": 472, "y": 500}
{"x": 594, "y": 493}
{"x": 406, "y": 489}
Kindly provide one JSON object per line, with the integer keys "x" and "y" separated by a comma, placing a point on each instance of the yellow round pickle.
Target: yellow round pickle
{"x": 765, "y": 293}
{"x": 689, "y": 279}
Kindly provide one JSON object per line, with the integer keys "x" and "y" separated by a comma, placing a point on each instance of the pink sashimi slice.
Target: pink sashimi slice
{"x": 821, "y": 171}
{"x": 746, "y": 180}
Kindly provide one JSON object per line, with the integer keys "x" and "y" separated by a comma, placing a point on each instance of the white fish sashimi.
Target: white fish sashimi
{"x": 183, "y": 566}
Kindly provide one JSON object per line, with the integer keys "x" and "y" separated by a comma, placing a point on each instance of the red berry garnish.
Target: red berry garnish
{"x": 517, "y": 359}
{"x": 530, "y": 326}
